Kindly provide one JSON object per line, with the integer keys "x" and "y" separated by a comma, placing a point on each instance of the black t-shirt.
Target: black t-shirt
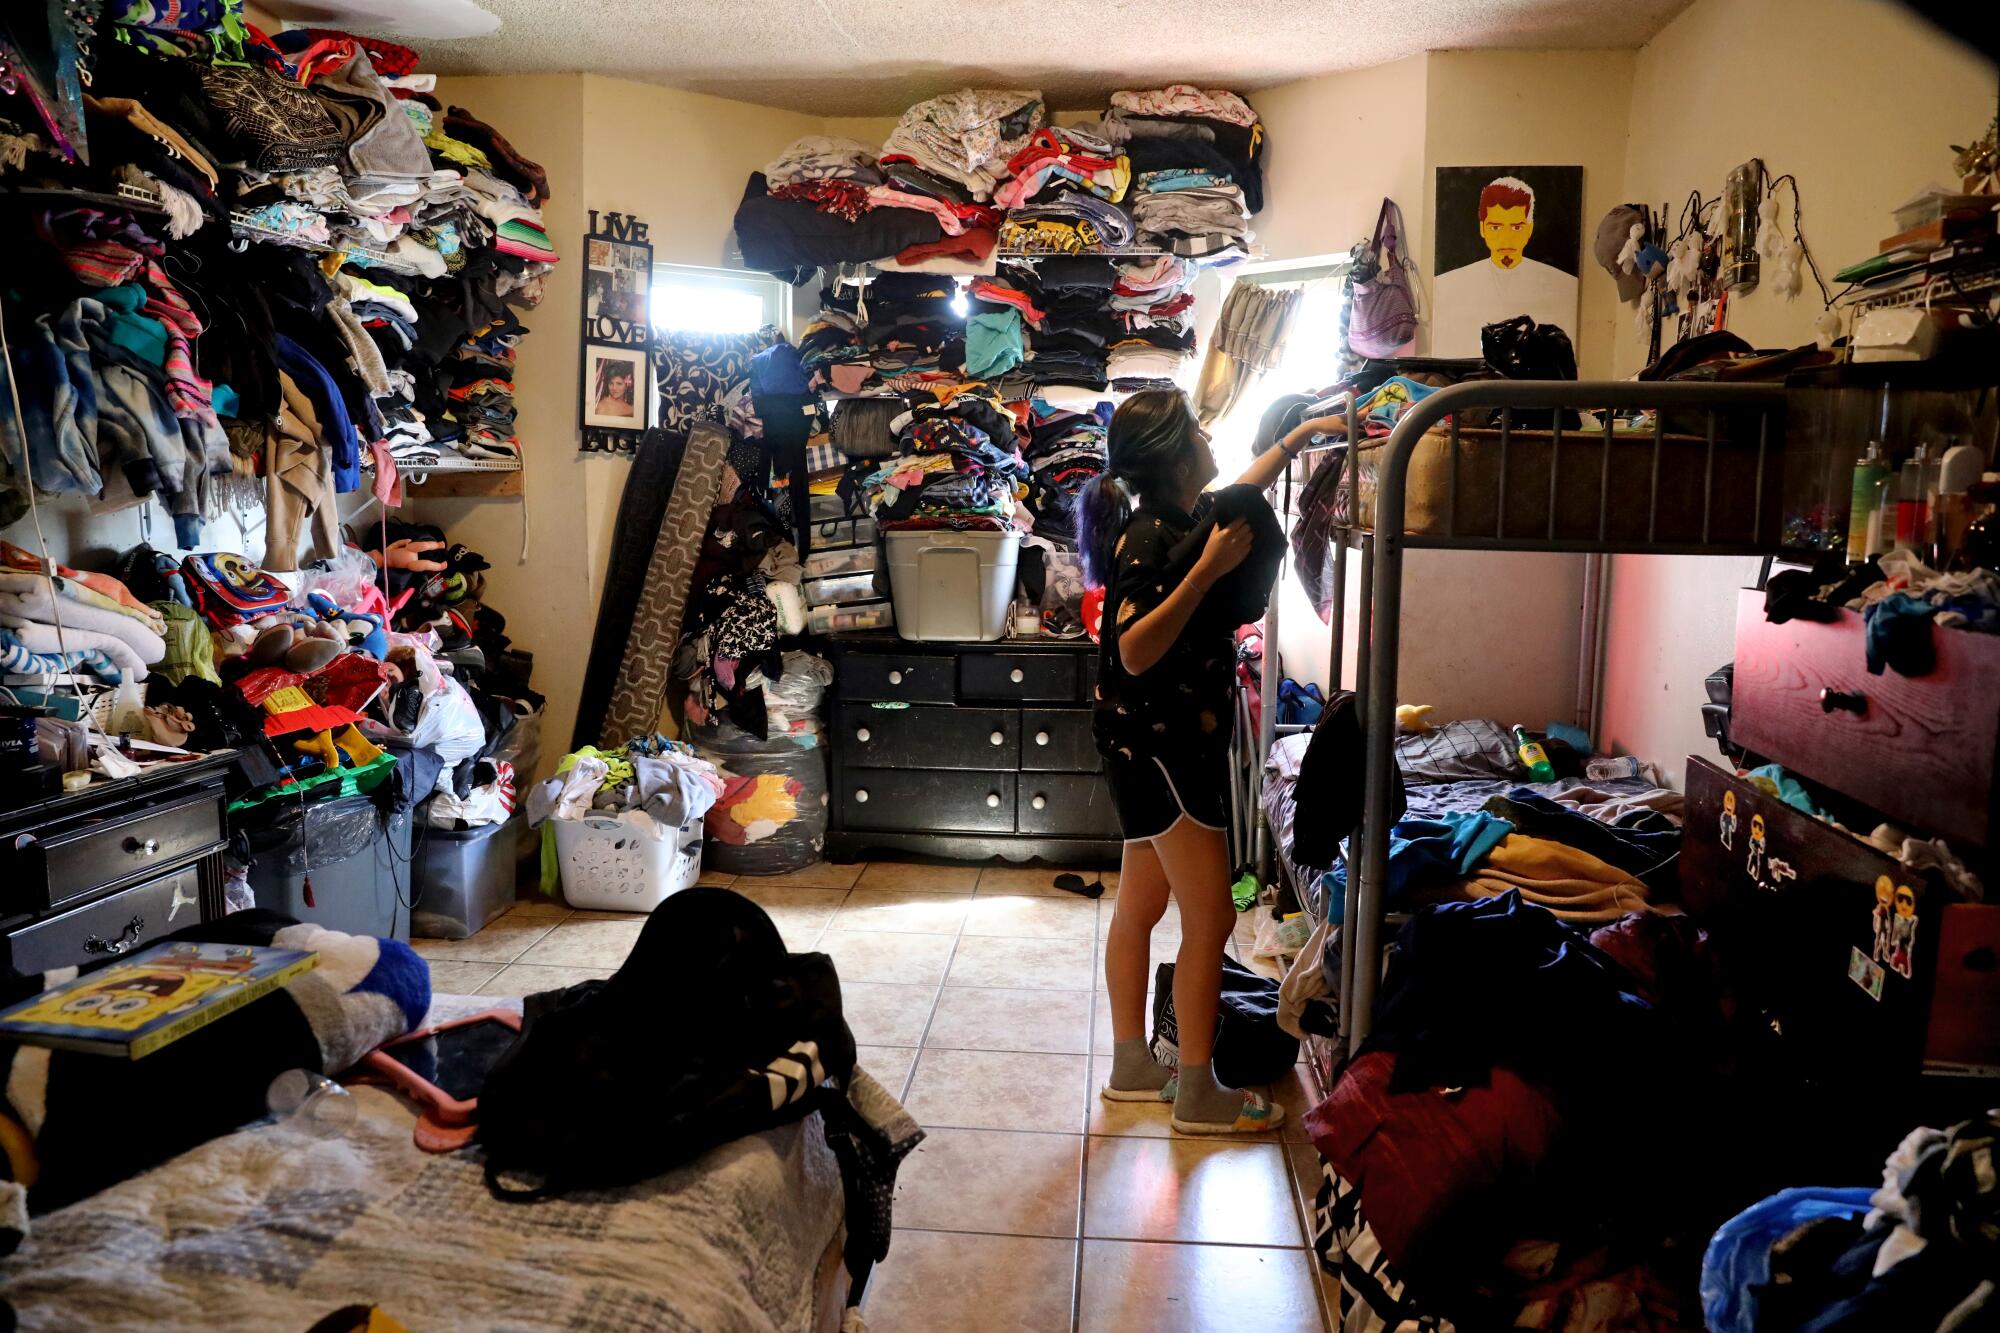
{"x": 1183, "y": 703}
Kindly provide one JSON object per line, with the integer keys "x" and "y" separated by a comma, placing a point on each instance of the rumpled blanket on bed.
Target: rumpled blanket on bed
{"x": 95, "y": 1120}
{"x": 268, "y": 1228}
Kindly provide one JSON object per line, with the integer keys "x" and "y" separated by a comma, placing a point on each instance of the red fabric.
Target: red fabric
{"x": 314, "y": 719}
{"x": 973, "y": 247}
{"x": 1046, "y": 143}
{"x": 1444, "y": 1176}
{"x": 389, "y": 59}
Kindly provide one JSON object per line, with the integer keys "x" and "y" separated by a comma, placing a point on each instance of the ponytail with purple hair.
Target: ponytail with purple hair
{"x": 1151, "y": 437}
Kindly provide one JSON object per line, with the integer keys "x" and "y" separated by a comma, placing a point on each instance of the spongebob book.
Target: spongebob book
{"x": 133, "y": 1008}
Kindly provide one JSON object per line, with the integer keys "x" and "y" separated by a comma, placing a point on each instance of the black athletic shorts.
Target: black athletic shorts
{"x": 1153, "y": 791}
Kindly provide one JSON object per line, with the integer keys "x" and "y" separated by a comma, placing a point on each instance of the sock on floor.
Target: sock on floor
{"x": 1202, "y": 1100}
{"x": 1133, "y": 1068}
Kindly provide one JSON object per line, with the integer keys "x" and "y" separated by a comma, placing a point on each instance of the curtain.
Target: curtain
{"x": 1249, "y": 339}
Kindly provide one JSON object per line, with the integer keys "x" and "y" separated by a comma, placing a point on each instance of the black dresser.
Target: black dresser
{"x": 89, "y": 875}
{"x": 967, "y": 750}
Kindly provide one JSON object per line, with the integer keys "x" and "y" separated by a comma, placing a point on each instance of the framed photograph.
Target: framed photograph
{"x": 617, "y": 290}
{"x": 615, "y": 387}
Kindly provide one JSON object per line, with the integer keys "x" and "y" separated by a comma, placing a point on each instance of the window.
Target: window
{"x": 717, "y": 300}
{"x": 1311, "y": 362}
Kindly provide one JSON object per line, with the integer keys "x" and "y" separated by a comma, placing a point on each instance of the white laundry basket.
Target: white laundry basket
{"x": 616, "y": 864}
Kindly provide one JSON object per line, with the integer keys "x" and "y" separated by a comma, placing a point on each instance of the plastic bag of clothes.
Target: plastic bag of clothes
{"x": 771, "y": 816}
{"x": 791, "y": 703}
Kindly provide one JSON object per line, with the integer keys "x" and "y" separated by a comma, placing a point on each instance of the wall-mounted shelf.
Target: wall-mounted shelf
{"x": 463, "y": 484}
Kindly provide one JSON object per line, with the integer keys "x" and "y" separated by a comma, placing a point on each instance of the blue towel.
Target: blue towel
{"x": 1426, "y": 852}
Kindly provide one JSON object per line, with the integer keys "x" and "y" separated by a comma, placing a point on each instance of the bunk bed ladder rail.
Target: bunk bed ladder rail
{"x": 1380, "y": 612}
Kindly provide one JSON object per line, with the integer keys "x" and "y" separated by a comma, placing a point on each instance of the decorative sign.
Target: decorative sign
{"x": 616, "y": 387}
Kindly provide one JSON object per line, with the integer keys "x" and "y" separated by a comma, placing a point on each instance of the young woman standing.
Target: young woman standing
{"x": 1164, "y": 715}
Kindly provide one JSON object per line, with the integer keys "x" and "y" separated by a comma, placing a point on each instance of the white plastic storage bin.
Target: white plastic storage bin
{"x": 614, "y": 864}
{"x": 952, "y": 586}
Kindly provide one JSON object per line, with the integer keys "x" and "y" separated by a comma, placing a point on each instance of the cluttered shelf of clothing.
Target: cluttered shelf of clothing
{"x": 1741, "y": 939}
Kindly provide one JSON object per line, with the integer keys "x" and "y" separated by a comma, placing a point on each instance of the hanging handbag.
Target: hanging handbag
{"x": 1382, "y": 304}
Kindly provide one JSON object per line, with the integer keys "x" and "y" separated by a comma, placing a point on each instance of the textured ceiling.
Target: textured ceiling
{"x": 875, "y": 57}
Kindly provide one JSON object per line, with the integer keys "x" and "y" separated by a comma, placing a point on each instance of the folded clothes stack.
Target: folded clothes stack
{"x": 59, "y": 622}
{"x": 1065, "y": 453}
{"x": 1072, "y": 222}
{"x": 959, "y": 468}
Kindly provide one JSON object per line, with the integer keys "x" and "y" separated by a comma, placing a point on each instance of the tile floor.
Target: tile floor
{"x": 977, "y": 994}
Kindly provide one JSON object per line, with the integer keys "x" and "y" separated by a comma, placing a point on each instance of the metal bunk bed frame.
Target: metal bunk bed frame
{"x": 1379, "y": 610}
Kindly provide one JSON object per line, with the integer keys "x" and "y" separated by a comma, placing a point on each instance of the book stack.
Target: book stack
{"x": 1942, "y": 251}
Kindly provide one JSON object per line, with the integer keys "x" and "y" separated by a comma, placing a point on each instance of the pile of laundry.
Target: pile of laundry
{"x": 1921, "y": 1251}
{"x": 960, "y": 468}
{"x": 1154, "y": 306}
{"x": 68, "y": 621}
{"x": 1465, "y": 1182}
{"x": 654, "y": 784}
{"x": 1065, "y": 453}
{"x": 971, "y": 176}
{"x": 304, "y": 144}
{"x": 1899, "y": 597}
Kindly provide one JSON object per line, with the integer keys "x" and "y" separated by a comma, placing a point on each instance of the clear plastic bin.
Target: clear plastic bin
{"x": 952, "y": 586}
{"x": 616, "y": 863}
{"x": 842, "y": 590}
{"x": 840, "y": 560}
{"x": 847, "y": 619}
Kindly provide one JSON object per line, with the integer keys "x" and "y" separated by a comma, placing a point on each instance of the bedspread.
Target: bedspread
{"x": 270, "y": 1228}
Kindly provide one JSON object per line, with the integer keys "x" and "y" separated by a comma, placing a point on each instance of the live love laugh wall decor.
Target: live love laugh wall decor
{"x": 617, "y": 334}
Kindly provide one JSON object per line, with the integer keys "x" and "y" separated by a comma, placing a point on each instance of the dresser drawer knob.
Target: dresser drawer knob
{"x": 895, "y": 678}
{"x": 150, "y": 847}
{"x": 992, "y": 800}
{"x": 1041, "y": 738}
{"x": 861, "y": 796}
{"x": 1017, "y": 675}
{"x": 861, "y": 734}
{"x": 997, "y": 738}
{"x": 1830, "y": 700}
{"x": 1040, "y": 802}
{"x": 126, "y": 939}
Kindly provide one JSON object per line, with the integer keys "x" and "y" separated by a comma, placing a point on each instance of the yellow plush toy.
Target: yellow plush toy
{"x": 1410, "y": 719}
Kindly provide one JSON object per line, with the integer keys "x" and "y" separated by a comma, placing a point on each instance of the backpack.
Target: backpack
{"x": 1250, "y": 1048}
{"x": 1382, "y": 304}
{"x": 228, "y": 589}
{"x": 710, "y": 1031}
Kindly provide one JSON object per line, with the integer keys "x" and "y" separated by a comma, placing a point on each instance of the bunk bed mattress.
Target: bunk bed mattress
{"x": 271, "y": 1228}
{"x": 1701, "y": 502}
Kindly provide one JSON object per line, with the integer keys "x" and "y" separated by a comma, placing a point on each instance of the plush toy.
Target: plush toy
{"x": 1642, "y": 317}
{"x": 364, "y": 630}
{"x": 350, "y": 745}
{"x": 1628, "y": 257}
{"x": 1782, "y": 255}
{"x": 1826, "y": 330}
{"x": 1683, "y": 268}
{"x": 1652, "y": 260}
{"x": 1413, "y": 719}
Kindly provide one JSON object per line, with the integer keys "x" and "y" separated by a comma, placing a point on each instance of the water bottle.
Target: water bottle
{"x": 1606, "y": 768}
{"x": 311, "y": 1103}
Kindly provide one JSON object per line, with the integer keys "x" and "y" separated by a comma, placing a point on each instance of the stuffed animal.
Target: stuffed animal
{"x": 1783, "y": 255}
{"x": 364, "y": 629}
{"x": 1628, "y": 257}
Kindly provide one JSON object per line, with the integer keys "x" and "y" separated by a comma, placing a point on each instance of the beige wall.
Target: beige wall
{"x": 1804, "y": 85}
{"x": 1489, "y": 634}
{"x": 1536, "y": 108}
{"x": 549, "y": 598}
